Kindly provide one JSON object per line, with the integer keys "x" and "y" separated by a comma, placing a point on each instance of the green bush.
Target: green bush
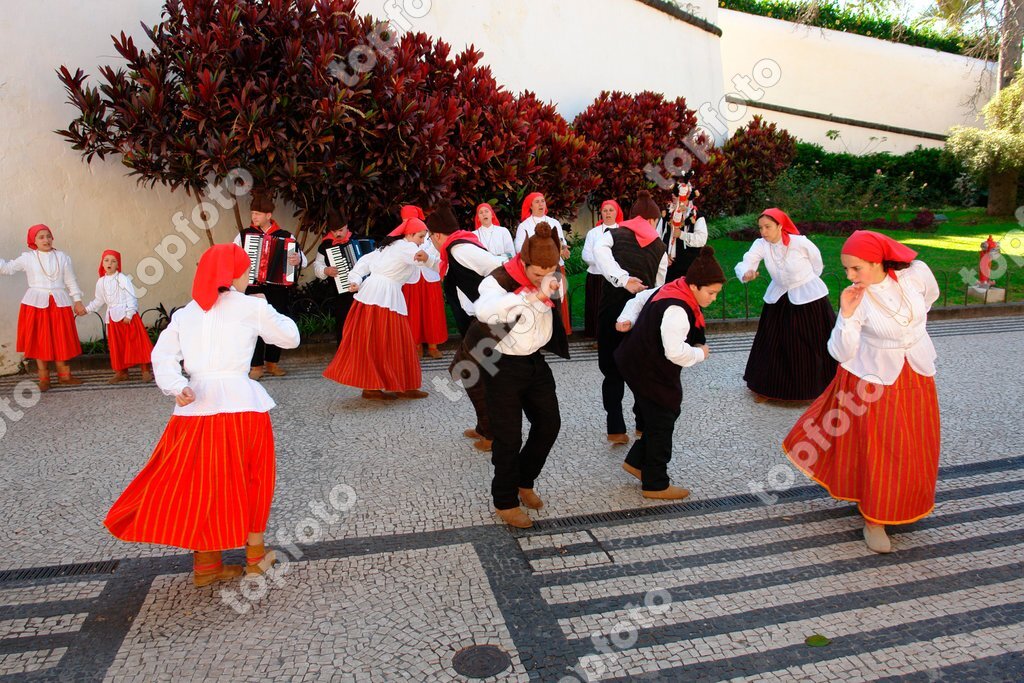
{"x": 829, "y": 15}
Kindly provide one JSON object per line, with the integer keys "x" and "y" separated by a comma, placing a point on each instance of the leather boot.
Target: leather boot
{"x": 530, "y": 499}
{"x": 208, "y": 567}
{"x": 275, "y": 370}
{"x": 515, "y": 517}
{"x": 670, "y": 493}
{"x": 258, "y": 559}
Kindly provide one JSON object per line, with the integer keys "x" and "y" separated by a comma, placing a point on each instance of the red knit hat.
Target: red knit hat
{"x": 218, "y": 266}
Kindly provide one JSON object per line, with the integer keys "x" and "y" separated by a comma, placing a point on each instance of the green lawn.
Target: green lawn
{"x": 953, "y": 246}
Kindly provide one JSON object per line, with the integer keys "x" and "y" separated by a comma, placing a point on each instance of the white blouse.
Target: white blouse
{"x": 529, "y": 226}
{"x": 589, "y": 242}
{"x": 423, "y": 270}
{"x": 117, "y": 293}
{"x": 49, "y": 274}
{"x": 533, "y": 326}
{"x": 380, "y": 275}
{"x": 888, "y": 328}
{"x": 795, "y": 269}
{"x": 497, "y": 240}
{"x": 216, "y": 347}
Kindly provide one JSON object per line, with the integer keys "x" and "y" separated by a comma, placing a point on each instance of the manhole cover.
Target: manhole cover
{"x": 481, "y": 661}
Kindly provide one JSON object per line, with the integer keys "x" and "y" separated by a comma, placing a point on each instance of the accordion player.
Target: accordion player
{"x": 344, "y": 257}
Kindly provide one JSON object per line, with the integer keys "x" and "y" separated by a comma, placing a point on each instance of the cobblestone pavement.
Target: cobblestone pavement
{"x": 394, "y": 563}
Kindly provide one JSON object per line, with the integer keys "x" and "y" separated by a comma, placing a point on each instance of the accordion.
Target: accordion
{"x": 268, "y": 259}
{"x": 344, "y": 257}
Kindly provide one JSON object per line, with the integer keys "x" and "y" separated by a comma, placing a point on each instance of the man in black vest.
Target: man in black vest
{"x": 518, "y": 314}
{"x": 668, "y": 334}
{"x": 278, "y": 296}
{"x": 683, "y": 241}
{"x": 464, "y": 263}
{"x": 632, "y": 259}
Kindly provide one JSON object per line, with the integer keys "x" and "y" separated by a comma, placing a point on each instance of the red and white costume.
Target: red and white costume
{"x": 377, "y": 351}
{"x": 495, "y": 238}
{"x": 424, "y": 297}
{"x": 210, "y": 480}
{"x": 126, "y": 335}
{"x": 46, "y": 320}
{"x": 873, "y": 436}
{"x": 526, "y": 230}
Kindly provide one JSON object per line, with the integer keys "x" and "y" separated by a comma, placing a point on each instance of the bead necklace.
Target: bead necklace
{"x": 56, "y": 271}
{"x": 895, "y": 315}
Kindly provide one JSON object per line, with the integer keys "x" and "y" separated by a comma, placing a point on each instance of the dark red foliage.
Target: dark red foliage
{"x": 632, "y": 131}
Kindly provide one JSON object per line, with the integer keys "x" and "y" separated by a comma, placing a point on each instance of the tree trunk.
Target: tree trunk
{"x": 1002, "y": 193}
{"x": 238, "y": 213}
{"x": 1011, "y": 35}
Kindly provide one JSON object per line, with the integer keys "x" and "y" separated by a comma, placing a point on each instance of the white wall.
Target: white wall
{"x": 856, "y": 77}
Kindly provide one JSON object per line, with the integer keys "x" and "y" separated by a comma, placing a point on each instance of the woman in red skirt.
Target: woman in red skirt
{"x": 126, "y": 335}
{"x": 424, "y": 299}
{"x": 209, "y": 484}
{"x": 46, "y": 319}
{"x": 377, "y": 353}
{"x": 873, "y": 436}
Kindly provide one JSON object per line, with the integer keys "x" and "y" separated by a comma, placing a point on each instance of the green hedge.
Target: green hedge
{"x": 835, "y": 17}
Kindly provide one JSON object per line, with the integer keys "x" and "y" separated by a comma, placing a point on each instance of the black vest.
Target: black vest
{"x": 639, "y": 262}
{"x": 479, "y": 331}
{"x": 684, "y": 255}
{"x": 641, "y": 356}
{"x": 459, "y": 278}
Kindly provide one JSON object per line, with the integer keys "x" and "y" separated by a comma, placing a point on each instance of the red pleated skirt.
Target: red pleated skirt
{"x": 427, "y": 321}
{"x": 129, "y": 343}
{"x": 376, "y": 351}
{"x": 566, "y": 321}
{"x": 872, "y": 444}
{"x": 48, "y": 333}
{"x": 207, "y": 486}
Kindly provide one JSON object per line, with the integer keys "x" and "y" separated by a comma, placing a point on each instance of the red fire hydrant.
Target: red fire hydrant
{"x": 989, "y": 251}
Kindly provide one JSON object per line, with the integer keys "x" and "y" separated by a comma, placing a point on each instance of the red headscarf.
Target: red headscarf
{"x": 526, "y": 205}
{"x": 784, "y": 221}
{"x": 678, "y": 289}
{"x": 412, "y": 211}
{"x": 619, "y": 216}
{"x": 476, "y": 216}
{"x": 874, "y": 247}
{"x": 409, "y": 226}
{"x": 35, "y": 230}
{"x": 517, "y": 269}
{"x": 642, "y": 228}
{"x": 105, "y": 254}
{"x": 457, "y": 235}
{"x": 218, "y": 266}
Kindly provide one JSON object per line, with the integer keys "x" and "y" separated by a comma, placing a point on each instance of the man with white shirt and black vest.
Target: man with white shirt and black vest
{"x": 267, "y": 356}
{"x": 632, "y": 259}
{"x": 518, "y": 314}
{"x": 464, "y": 263}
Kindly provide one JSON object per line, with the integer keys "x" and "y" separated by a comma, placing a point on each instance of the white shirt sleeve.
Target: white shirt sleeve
{"x": 699, "y": 236}
{"x": 70, "y": 281}
{"x": 131, "y": 304}
{"x": 237, "y": 240}
{"x": 674, "y": 328}
{"x": 751, "y": 259}
{"x": 814, "y": 256}
{"x": 588, "y": 245}
{"x": 610, "y": 268}
{"x": 480, "y": 261}
{"x": 845, "y": 338}
{"x": 319, "y": 266}
{"x": 520, "y": 238}
{"x": 98, "y": 300}
{"x": 922, "y": 279}
{"x": 361, "y": 270}
{"x": 659, "y": 279}
{"x": 496, "y": 305}
{"x": 13, "y": 266}
{"x": 631, "y": 311}
{"x": 166, "y": 360}
{"x": 276, "y": 328}
{"x": 507, "y": 246}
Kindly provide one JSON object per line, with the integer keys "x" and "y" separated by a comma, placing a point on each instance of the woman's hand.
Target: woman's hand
{"x": 353, "y": 288}
{"x": 749, "y": 275}
{"x": 623, "y": 326}
{"x": 635, "y": 285}
{"x": 420, "y": 257}
{"x": 79, "y": 308}
{"x": 850, "y": 299}
{"x": 185, "y": 397}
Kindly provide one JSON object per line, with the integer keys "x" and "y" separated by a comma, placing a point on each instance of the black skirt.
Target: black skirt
{"x": 593, "y": 300}
{"x": 789, "y": 360}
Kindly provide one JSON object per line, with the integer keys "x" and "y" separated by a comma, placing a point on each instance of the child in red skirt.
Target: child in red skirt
{"x": 377, "y": 353}
{"x": 873, "y": 436}
{"x": 209, "y": 484}
{"x": 46, "y": 319}
{"x": 126, "y": 335}
{"x": 424, "y": 299}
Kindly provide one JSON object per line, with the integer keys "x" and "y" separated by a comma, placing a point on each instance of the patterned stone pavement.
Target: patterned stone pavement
{"x": 393, "y": 562}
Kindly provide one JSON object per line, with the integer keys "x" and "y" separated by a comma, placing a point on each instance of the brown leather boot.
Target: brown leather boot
{"x": 147, "y": 374}
{"x": 618, "y": 439}
{"x": 433, "y": 352}
{"x": 483, "y": 445}
{"x": 472, "y": 434}
{"x": 68, "y": 380}
{"x": 515, "y": 517}
{"x": 413, "y": 393}
{"x": 635, "y": 471}
{"x": 378, "y": 395}
{"x": 258, "y": 559}
{"x": 256, "y": 373}
{"x": 208, "y": 567}
{"x": 670, "y": 493}
{"x": 275, "y": 370}
{"x": 44, "y": 382}
{"x": 530, "y": 499}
